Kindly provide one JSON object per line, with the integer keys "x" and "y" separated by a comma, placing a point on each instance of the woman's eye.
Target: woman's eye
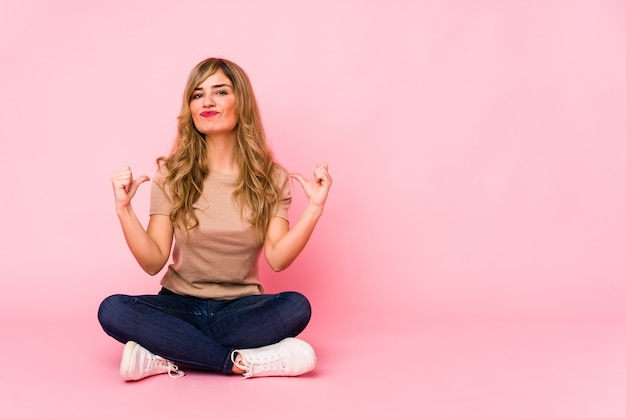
{"x": 221, "y": 92}
{"x": 196, "y": 96}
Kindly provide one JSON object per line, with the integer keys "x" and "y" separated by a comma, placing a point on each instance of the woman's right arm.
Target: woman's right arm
{"x": 150, "y": 247}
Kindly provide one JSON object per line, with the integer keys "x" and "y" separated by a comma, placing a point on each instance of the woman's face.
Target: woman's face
{"x": 213, "y": 105}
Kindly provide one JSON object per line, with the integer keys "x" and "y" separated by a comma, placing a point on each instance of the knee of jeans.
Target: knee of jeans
{"x": 108, "y": 309}
{"x": 301, "y": 305}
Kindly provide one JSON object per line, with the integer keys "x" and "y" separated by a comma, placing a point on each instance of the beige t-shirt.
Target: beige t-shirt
{"x": 219, "y": 258}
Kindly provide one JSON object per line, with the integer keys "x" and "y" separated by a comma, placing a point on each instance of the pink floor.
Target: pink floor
{"x": 390, "y": 366}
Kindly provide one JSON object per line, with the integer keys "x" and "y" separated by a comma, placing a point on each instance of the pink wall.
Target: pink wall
{"x": 478, "y": 148}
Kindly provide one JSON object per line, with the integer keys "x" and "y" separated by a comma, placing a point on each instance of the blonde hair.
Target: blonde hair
{"x": 256, "y": 192}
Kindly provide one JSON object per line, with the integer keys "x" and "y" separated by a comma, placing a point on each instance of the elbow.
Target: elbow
{"x": 278, "y": 266}
{"x": 275, "y": 267}
{"x": 152, "y": 266}
{"x": 153, "y": 269}
{"x": 278, "y": 260}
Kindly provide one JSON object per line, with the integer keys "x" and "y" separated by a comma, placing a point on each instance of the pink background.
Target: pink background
{"x": 477, "y": 148}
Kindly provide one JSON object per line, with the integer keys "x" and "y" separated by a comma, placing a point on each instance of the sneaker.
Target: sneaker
{"x": 290, "y": 357}
{"x": 137, "y": 363}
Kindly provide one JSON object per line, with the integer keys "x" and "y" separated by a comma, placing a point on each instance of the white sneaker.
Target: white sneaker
{"x": 290, "y": 357}
{"x": 137, "y": 363}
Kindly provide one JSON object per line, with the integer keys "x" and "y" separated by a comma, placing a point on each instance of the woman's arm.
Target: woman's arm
{"x": 151, "y": 247}
{"x": 282, "y": 245}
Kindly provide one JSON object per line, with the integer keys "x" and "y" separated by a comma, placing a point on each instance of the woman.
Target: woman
{"x": 221, "y": 199}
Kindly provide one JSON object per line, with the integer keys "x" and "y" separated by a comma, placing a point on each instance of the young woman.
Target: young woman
{"x": 219, "y": 198}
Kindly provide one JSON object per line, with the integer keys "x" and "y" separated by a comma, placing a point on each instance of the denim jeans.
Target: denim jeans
{"x": 199, "y": 333}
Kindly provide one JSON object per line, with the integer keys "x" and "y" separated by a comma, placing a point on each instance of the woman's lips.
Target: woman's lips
{"x": 208, "y": 113}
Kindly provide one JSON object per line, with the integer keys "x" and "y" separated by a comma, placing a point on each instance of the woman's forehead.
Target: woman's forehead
{"x": 217, "y": 79}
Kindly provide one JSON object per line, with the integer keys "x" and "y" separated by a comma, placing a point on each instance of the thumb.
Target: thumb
{"x": 135, "y": 184}
{"x": 298, "y": 177}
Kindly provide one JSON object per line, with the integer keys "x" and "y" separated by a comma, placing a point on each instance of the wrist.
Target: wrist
{"x": 313, "y": 209}
{"x": 124, "y": 210}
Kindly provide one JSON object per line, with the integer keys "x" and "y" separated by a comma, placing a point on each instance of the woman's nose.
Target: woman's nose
{"x": 208, "y": 100}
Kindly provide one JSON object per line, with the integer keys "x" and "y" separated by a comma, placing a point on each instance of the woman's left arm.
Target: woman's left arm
{"x": 282, "y": 244}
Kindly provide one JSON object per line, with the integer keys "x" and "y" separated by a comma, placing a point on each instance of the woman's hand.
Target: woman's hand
{"x": 316, "y": 190}
{"x": 150, "y": 247}
{"x": 124, "y": 187}
{"x": 283, "y": 244}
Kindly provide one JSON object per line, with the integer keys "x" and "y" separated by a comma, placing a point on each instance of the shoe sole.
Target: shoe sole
{"x": 127, "y": 356}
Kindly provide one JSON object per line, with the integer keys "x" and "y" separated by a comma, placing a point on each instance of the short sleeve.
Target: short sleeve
{"x": 160, "y": 201}
{"x": 284, "y": 201}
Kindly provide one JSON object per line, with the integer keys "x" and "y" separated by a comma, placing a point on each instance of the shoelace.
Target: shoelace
{"x": 258, "y": 365}
{"x": 172, "y": 369}
{"x": 174, "y": 372}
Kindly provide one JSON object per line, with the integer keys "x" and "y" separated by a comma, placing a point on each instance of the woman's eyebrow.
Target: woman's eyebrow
{"x": 215, "y": 86}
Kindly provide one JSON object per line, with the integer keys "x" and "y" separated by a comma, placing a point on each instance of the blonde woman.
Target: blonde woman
{"x": 220, "y": 199}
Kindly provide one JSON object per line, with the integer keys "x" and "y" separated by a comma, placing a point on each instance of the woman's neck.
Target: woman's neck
{"x": 222, "y": 154}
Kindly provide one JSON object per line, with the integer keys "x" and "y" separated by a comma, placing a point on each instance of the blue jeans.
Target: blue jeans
{"x": 199, "y": 333}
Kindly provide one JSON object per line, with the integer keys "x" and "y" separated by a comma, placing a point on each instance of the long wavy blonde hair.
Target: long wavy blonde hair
{"x": 256, "y": 192}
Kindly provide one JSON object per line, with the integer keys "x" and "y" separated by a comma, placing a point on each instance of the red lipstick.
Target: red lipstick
{"x": 208, "y": 113}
